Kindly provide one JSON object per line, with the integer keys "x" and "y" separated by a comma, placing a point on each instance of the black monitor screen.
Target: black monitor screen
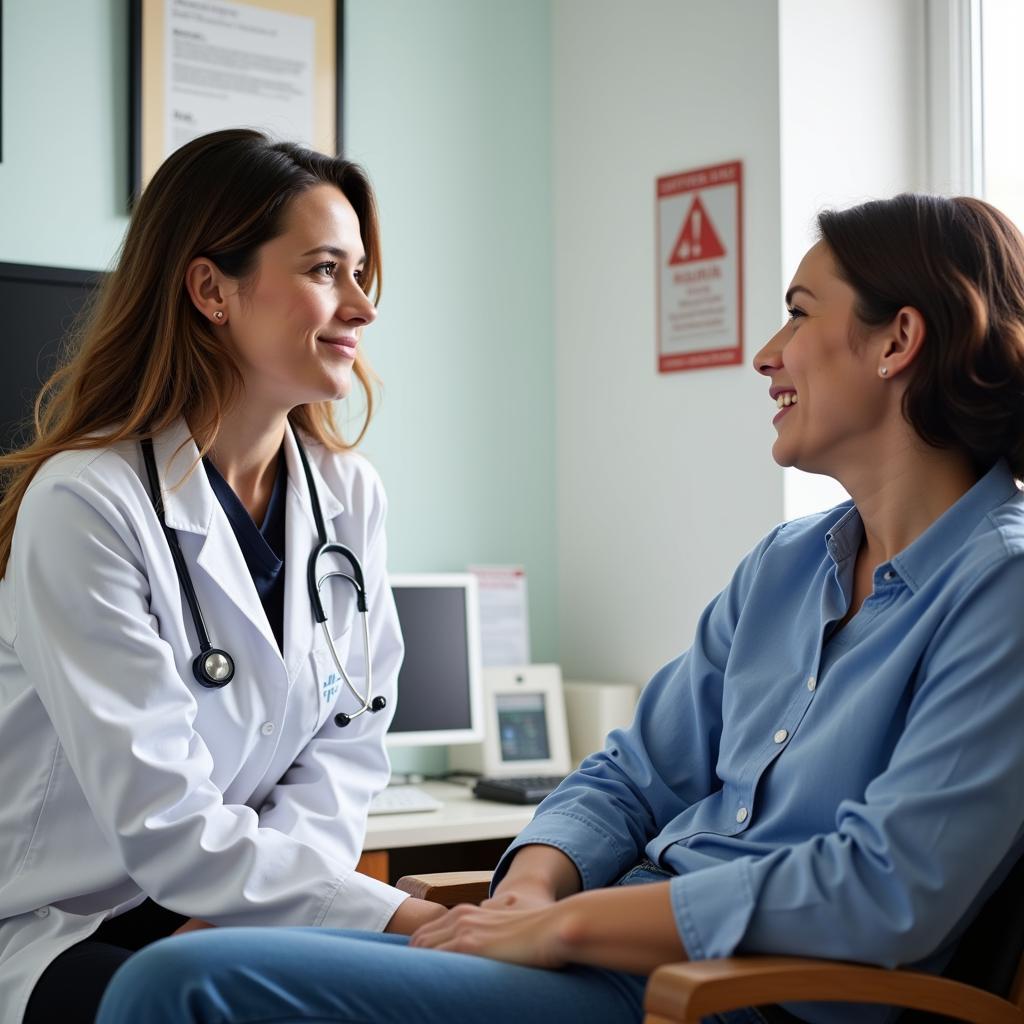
{"x": 433, "y": 685}
{"x": 38, "y": 306}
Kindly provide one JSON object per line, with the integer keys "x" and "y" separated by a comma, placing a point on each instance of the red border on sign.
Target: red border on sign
{"x": 691, "y": 181}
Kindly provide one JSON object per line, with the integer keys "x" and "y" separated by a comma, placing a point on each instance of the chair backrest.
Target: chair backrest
{"x": 990, "y": 954}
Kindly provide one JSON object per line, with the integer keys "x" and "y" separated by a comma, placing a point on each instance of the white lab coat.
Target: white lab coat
{"x": 121, "y": 776}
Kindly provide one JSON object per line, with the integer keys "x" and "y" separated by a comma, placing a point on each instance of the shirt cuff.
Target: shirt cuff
{"x": 598, "y": 855}
{"x": 712, "y": 908}
{"x": 362, "y": 902}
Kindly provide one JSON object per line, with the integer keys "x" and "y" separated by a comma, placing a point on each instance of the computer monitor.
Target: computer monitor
{"x": 440, "y": 693}
{"x": 38, "y": 306}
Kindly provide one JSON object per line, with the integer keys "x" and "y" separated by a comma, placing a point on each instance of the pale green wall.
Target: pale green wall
{"x": 449, "y": 109}
{"x": 64, "y": 176}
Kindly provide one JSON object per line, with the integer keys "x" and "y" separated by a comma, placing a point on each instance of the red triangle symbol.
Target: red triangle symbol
{"x": 698, "y": 240}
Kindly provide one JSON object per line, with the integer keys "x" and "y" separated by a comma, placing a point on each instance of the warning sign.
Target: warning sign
{"x": 698, "y": 240}
{"x": 700, "y": 268}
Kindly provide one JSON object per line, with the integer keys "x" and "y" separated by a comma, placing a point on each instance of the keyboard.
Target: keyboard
{"x": 526, "y": 789}
{"x": 403, "y": 800}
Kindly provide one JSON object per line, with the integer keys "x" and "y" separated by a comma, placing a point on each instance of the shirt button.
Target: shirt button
{"x": 267, "y": 728}
{"x": 43, "y": 912}
{"x": 781, "y": 736}
{"x": 741, "y": 815}
{"x": 888, "y": 575}
{"x": 812, "y": 683}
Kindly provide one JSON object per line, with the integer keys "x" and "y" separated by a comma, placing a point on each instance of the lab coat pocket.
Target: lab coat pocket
{"x": 330, "y": 686}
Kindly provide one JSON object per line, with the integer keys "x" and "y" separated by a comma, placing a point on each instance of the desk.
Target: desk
{"x": 463, "y": 819}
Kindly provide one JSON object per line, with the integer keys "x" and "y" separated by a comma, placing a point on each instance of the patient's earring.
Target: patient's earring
{"x": 883, "y": 371}
{"x": 218, "y": 314}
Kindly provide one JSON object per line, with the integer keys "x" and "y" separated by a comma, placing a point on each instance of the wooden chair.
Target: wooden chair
{"x": 684, "y": 993}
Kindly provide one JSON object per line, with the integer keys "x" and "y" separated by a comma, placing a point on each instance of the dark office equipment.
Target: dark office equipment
{"x": 38, "y": 307}
{"x": 522, "y": 789}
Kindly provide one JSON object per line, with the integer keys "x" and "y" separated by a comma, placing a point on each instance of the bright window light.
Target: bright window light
{"x": 1002, "y": 83}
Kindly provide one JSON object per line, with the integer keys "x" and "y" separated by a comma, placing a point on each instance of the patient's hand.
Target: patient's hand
{"x": 529, "y": 937}
{"x": 519, "y": 898}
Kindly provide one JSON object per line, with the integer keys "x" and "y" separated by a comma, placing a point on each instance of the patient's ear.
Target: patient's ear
{"x": 902, "y": 341}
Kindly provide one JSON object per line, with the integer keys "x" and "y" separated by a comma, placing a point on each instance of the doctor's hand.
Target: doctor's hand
{"x": 529, "y": 937}
{"x": 411, "y": 914}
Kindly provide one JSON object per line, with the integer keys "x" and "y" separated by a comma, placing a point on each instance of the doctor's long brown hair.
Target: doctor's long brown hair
{"x": 144, "y": 356}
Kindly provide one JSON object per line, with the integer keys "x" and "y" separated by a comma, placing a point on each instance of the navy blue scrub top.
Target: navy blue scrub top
{"x": 263, "y": 546}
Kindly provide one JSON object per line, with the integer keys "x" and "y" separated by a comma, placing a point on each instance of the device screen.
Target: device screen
{"x": 522, "y": 724}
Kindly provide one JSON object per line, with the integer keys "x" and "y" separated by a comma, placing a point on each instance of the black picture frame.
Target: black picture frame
{"x": 138, "y": 171}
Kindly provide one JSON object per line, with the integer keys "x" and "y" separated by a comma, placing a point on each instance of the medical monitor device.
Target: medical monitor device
{"x": 440, "y": 696}
{"x": 525, "y": 730}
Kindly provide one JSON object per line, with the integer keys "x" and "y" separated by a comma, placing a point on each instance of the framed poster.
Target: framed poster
{"x": 700, "y": 267}
{"x": 201, "y": 65}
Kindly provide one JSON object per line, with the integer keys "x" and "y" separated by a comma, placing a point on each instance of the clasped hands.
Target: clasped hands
{"x": 522, "y": 926}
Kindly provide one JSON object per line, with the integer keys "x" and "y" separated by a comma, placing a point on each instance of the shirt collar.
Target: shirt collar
{"x": 916, "y": 563}
{"x": 843, "y": 540}
{"x": 946, "y": 535}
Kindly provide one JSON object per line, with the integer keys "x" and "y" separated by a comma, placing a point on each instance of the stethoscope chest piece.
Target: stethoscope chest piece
{"x": 213, "y": 668}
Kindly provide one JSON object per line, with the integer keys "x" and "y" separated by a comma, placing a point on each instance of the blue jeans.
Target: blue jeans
{"x": 323, "y": 976}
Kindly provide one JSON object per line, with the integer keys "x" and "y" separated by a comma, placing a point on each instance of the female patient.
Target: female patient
{"x": 833, "y": 768}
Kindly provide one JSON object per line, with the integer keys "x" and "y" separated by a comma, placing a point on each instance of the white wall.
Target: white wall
{"x": 851, "y": 127}
{"x": 663, "y": 481}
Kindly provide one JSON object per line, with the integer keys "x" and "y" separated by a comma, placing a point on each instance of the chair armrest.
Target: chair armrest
{"x": 448, "y": 887}
{"x": 687, "y": 992}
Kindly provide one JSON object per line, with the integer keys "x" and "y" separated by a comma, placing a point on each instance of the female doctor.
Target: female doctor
{"x": 185, "y": 743}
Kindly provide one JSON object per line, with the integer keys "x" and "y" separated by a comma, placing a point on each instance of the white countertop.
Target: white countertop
{"x": 462, "y": 819}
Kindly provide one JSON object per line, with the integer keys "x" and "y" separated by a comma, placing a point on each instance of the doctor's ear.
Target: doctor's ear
{"x": 903, "y": 341}
{"x": 206, "y": 288}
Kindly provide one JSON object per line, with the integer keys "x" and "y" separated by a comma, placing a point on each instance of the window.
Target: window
{"x": 1001, "y": 141}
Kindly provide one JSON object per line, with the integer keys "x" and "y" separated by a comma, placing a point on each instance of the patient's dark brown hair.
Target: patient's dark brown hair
{"x": 960, "y": 263}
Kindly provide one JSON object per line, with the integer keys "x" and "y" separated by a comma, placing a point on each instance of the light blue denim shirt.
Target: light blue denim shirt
{"x": 853, "y": 794}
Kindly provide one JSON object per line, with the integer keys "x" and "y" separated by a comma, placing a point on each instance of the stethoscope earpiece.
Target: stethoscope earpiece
{"x": 213, "y": 668}
{"x": 377, "y": 704}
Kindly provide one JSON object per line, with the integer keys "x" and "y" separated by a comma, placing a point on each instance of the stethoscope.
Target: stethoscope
{"x": 213, "y": 667}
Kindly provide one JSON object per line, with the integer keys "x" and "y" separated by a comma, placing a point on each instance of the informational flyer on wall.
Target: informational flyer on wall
{"x": 504, "y": 622}
{"x": 235, "y": 64}
{"x": 700, "y": 267}
{"x": 202, "y": 65}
